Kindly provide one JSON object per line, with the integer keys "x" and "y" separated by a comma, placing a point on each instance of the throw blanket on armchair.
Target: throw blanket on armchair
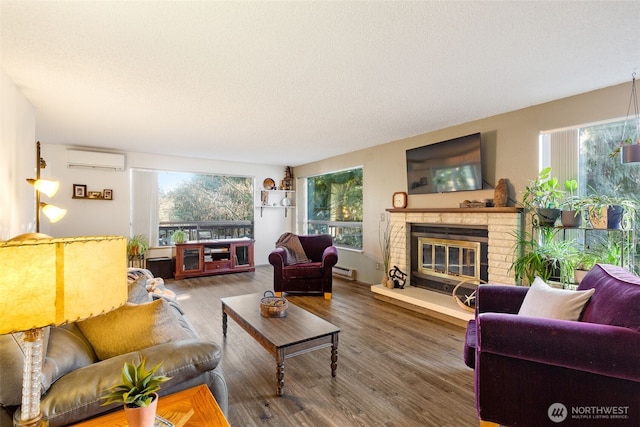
{"x": 295, "y": 252}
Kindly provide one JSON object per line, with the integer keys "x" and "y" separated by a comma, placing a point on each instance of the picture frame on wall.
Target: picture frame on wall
{"x": 95, "y": 194}
{"x": 107, "y": 194}
{"x": 79, "y": 191}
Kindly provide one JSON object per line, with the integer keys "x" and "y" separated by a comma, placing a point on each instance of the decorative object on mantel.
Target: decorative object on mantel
{"x": 484, "y": 203}
{"x": 399, "y": 200}
{"x": 501, "y": 194}
{"x": 630, "y": 146}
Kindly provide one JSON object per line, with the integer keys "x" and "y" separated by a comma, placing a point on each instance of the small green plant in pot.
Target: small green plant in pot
{"x": 570, "y": 216}
{"x": 543, "y": 196}
{"x": 180, "y": 236}
{"x": 138, "y": 393}
{"x": 610, "y": 212}
{"x": 137, "y": 245}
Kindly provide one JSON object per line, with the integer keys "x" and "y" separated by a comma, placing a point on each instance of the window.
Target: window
{"x": 206, "y": 206}
{"x": 588, "y": 154}
{"x": 334, "y": 206}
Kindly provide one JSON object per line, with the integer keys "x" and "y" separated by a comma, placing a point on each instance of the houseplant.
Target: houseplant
{"x": 137, "y": 245}
{"x": 138, "y": 393}
{"x": 544, "y": 256}
{"x": 543, "y": 196}
{"x": 607, "y": 211}
{"x": 384, "y": 237}
{"x": 569, "y": 216}
{"x": 180, "y": 236}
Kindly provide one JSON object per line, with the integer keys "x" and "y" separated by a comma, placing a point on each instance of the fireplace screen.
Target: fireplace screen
{"x": 446, "y": 258}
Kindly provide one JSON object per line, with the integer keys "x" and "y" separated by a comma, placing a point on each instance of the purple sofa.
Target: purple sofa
{"x": 315, "y": 277}
{"x": 530, "y": 371}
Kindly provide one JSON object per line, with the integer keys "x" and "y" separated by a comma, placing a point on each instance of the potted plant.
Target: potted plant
{"x": 570, "y": 215}
{"x": 544, "y": 256}
{"x": 543, "y": 195}
{"x": 137, "y": 245}
{"x": 180, "y": 236}
{"x": 138, "y": 393}
{"x": 384, "y": 237}
{"x": 608, "y": 212}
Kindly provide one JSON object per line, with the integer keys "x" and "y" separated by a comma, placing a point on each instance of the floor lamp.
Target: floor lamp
{"x": 51, "y": 281}
{"x": 50, "y": 188}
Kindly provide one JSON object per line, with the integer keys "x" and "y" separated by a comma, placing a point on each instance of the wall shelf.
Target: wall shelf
{"x": 273, "y": 199}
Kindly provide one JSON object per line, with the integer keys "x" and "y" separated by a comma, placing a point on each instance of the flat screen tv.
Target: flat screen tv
{"x": 453, "y": 165}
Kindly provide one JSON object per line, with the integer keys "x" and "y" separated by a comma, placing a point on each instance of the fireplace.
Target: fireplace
{"x": 443, "y": 255}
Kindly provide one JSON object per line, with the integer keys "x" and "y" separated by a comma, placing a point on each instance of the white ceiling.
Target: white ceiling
{"x": 293, "y": 82}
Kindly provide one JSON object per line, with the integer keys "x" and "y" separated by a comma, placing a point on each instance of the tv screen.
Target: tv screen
{"x": 453, "y": 165}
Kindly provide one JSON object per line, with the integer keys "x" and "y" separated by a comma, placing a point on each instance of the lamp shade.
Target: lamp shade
{"x": 50, "y": 188}
{"x": 50, "y": 281}
{"x": 52, "y": 212}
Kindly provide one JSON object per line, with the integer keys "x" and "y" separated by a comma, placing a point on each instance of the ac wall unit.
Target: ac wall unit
{"x": 95, "y": 160}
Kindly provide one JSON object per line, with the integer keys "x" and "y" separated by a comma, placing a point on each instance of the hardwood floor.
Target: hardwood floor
{"x": 396, "y": 368}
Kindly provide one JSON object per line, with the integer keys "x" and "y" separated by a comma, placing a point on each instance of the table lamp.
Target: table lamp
{"x": 49, "y": 281}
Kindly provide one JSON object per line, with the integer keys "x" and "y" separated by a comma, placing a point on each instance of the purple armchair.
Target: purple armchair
{"x": 314, "y": 277}
{"x": 530, "y": 371}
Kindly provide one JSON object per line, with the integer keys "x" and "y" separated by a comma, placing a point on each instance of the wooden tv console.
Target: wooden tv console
{"x": 213, "y": 257}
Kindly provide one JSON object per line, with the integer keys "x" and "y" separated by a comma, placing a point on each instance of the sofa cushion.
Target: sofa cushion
{"x": 302, "y": 270}
{"x": 133, "y": 327}
{"x": 544, "y": 301}
{"x": 616, "y": 300}
{"x": 137, "y": 291}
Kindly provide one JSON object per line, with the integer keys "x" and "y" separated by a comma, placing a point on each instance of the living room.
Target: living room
{"x": 510, "y": 140}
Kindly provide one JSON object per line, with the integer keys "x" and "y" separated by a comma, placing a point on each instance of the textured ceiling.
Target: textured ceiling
{"x": 293, "y": 82}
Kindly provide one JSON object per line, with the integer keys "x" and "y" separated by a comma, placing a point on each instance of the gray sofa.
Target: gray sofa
{"x": 79, "y": 368}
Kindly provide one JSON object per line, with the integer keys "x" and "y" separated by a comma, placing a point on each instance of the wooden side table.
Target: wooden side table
{"x": 192, "y": 407}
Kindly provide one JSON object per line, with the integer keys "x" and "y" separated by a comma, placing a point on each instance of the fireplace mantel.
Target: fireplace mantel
{"x": 457, "y": 210}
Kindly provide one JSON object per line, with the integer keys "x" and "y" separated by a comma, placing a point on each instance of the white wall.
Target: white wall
{"x": 17, "y": 160}
{"x": 96, "y": 217}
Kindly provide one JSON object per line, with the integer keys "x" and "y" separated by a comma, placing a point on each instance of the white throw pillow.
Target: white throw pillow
{"x": 544, "y": 301}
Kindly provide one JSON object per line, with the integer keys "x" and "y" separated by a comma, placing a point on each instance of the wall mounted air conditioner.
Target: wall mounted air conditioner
{"x": 95, "y": 160}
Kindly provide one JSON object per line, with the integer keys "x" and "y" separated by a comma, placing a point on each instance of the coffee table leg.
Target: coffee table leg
{"x": 280, "y": 370}
{"x": 334, "y": 354}
{"x": 224, "y": 322}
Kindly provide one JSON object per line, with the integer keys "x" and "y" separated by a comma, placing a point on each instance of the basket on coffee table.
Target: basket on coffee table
{"x": 273, "y": 306}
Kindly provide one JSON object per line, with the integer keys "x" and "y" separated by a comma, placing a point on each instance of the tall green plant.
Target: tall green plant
{"x": 543, "y": 192}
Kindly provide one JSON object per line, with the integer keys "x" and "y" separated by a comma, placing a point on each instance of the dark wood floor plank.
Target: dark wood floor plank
{"x": 396, "y": 368}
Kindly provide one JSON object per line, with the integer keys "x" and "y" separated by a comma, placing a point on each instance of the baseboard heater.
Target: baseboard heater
{"x": 345, "y": 273}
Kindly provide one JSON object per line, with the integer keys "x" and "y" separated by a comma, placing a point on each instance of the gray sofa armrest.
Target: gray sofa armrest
{"x": 76, "y": 396}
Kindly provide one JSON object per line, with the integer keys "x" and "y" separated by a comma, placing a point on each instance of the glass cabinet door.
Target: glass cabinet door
{"x": 191, "y": 259}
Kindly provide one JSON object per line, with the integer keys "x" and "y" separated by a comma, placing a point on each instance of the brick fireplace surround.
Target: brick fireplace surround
{"x": 502, "y": 223}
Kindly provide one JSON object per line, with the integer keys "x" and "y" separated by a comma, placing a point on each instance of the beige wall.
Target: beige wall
{"x": 17, "y": 160}
{"x": 510, "y": 150}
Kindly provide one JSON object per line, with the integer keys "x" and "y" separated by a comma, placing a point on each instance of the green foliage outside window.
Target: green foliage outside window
{"x": 335, "y": 206}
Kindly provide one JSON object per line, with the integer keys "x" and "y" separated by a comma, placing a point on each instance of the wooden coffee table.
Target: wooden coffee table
{"x": 192, "y": 407}
{"x": 297, "y": 333}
